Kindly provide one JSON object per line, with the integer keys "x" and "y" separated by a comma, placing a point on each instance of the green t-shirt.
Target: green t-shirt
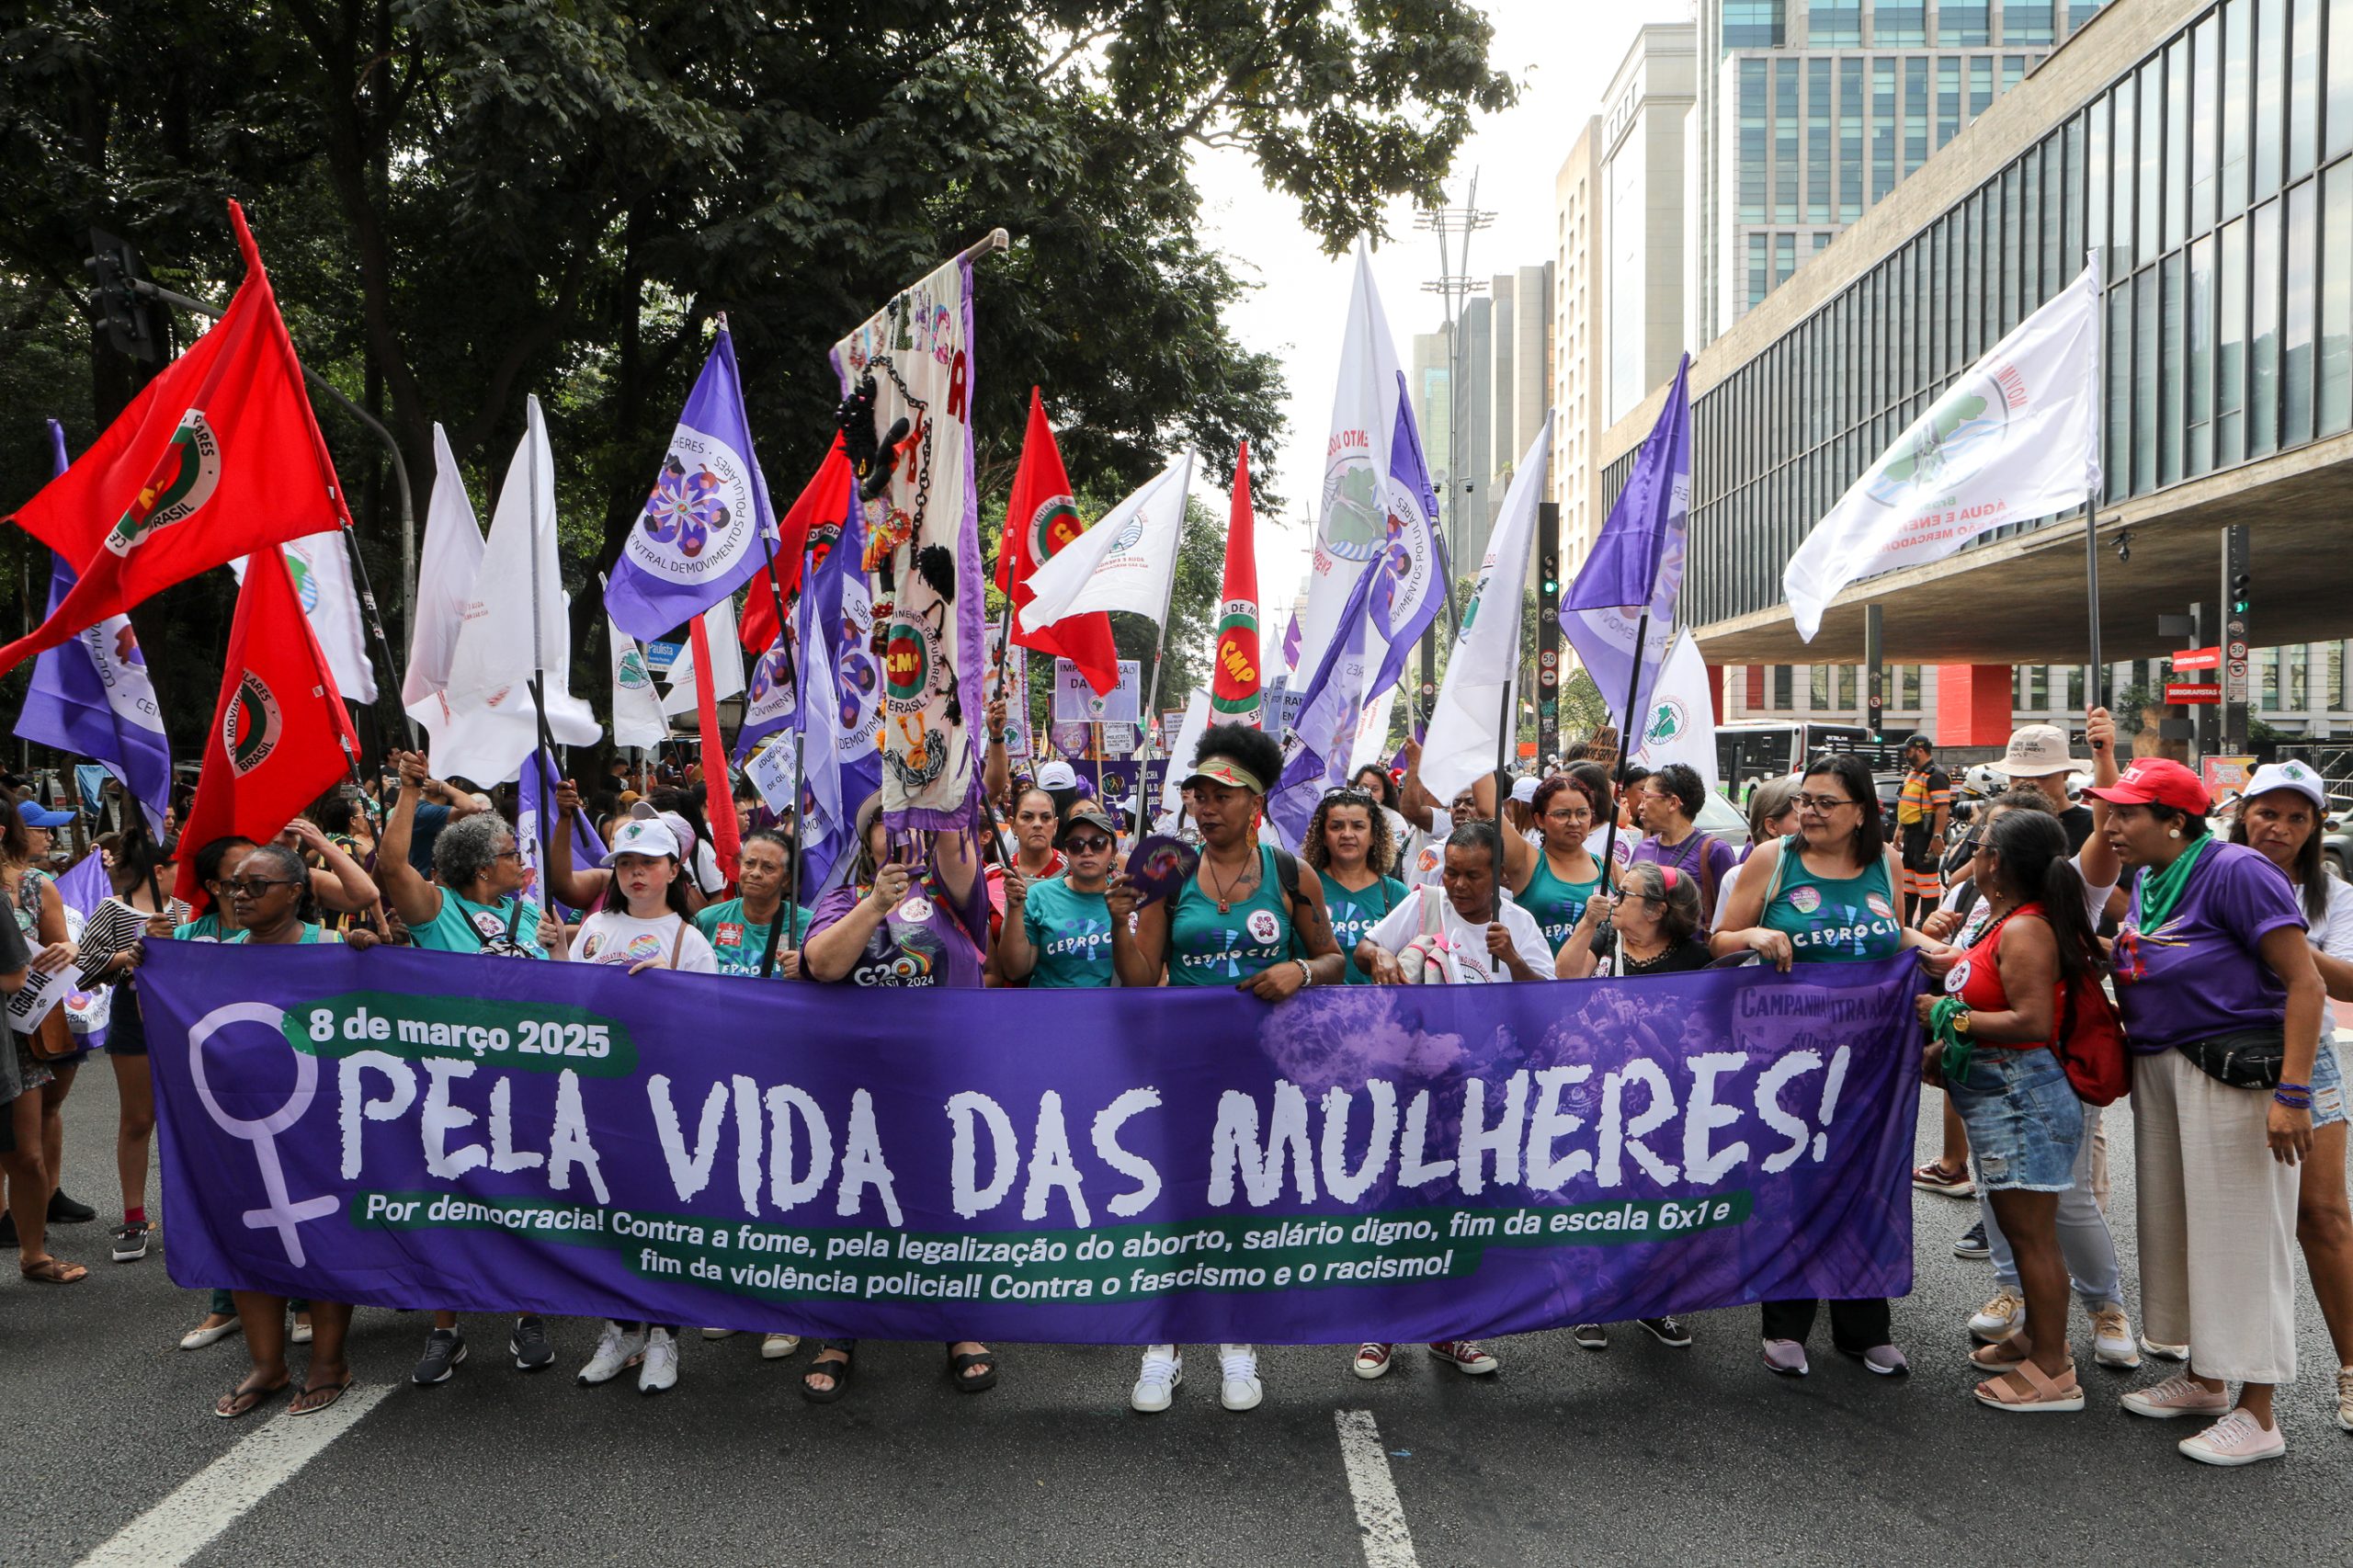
{"x": 461, "y": 925}
{"x": 739, "y": 943}
{"x": 205, "y": 928}
{"x": 1071, "y": 932}
{"x": 1209, "y": 948}
{"x": 1354, "y": 914}
{"x": 312, "y": 932}
{"x": 1557, "y": 905}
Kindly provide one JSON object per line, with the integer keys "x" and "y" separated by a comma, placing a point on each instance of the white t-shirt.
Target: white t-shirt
{"x": 607, "y": 937}
{"x": 1406, "y": 922}
{"x": 1972, "y": 925}
{"x": 2334, "y": 937}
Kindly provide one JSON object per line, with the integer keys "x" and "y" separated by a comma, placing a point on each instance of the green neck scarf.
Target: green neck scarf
{"x": 2162, "y": 891}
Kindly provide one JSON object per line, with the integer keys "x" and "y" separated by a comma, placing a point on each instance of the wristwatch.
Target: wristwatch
{"x": 1960, "y": 1023}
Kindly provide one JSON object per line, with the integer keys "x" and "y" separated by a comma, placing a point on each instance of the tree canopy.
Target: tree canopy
{"x": 461, "y": 201}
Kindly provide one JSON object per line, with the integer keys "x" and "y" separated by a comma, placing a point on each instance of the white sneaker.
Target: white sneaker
{"x": 2112, "y": 1341}
{"x": 718, "y": 1333}
{"x": 1241, "y": 1389}
{"x": 1999, "y": 1318}
{"x": 659, "y": 1372}
{"x": 616, "y": 1347}
{"x": 1157, "y": 1385}
{"x": 2162, "y": 1351}
{"x": 2345, "y": 1398}
{"x": 776, "y": 1346}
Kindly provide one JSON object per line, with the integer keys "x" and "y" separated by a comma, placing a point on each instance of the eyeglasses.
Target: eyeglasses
{"x": 1823, "y": 803}
{"x": 1094, "y": 844}
{"x": 507, "y": 854}
{"x": 254, "y": 887}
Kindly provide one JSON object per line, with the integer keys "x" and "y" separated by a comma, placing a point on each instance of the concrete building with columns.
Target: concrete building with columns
{"x": 2204, "y": 150}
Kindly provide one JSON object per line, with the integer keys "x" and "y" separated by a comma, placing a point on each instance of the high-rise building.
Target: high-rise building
{"x": 1810, "y": 111}
{"x": 1519, "y": 388}
{"x": 1577, "y": 423}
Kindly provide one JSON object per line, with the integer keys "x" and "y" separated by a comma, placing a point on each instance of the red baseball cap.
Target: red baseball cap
{"x": 2158, "y": 782}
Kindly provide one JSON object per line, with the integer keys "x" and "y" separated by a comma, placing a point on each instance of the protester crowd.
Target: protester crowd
{"x": 2222, "y": 946}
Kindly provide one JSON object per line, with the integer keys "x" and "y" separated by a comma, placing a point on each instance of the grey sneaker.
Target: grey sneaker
{"x": 529, "y": 1345}
{"x": 1590, "y": 1336}
{"x": 1666, "y": 1331}
{"x": 445, "y": 1348}
{"x": 1785, "y": 1357}
{"x": 130, "y": 1241}
{"x": 1885, "y": 1359}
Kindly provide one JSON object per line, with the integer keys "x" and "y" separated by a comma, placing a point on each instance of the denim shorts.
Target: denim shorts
{"x": 2025, "y": 1123}
{"x": 2329, "y": 1086}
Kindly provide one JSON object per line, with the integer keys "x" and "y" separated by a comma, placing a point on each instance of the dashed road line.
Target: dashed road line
{"x": 1380, "y": 1519}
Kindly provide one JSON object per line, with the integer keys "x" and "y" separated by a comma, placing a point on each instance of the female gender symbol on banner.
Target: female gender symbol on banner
{"x": 283, "y": 1214}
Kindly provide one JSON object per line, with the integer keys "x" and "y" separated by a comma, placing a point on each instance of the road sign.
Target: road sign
{"x": 2203, "y": 658}
{"x": 2238, "y": 651}
{"x": 2192, "y": 691}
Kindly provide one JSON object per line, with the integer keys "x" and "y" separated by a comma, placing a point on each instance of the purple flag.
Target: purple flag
{"x": 1316, "y": 752}
{"x": 698, "y": 539}
{"x": 1291, "y": 643}
{"x": 91, "y": 697}
{"x": 1637, "y": 564}
{"x": 533, "y": 807}
{"x": 1402, "y": 606}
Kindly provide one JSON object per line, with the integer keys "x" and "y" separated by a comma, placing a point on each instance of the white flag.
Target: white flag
{"x": 2015, "y": 438}
{"x": 636, "y": 710}
{"x": 1464, "y": 733}
{"x": 445, "y": 571}
{"x": 492, "y": 729}
{"x": 1195, "y": 725}
{"x": 1681, "y": 726}
{"x": 320, "y": 564}
{"x": 1125, "y": 562}
{"x": 727, "y": 659}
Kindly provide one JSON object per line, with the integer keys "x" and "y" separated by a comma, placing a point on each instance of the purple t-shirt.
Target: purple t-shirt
{"x": 2199, "y": 975}
{"x": 1707, "y": 860}
{"x": 920, "y": 943}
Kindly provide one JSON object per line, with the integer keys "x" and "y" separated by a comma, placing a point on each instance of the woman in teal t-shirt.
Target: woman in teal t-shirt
{"x": 740, "y": 930}
{"x": 1350, "y": 844}
{"x": 1057, "y": 931}
{"x": 1826, "y": 894}
{"x": 1234, "y": 922}
{"x": 1557, "y": 880}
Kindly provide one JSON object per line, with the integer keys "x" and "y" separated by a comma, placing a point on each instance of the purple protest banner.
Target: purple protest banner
{"x": 428, "y": 1130}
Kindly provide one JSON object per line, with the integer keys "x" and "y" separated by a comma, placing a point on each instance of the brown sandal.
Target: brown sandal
{"x": 55, "y": 1271}
{"x": 2043, "y": 1395}
{"x": 2005, "y": 1355}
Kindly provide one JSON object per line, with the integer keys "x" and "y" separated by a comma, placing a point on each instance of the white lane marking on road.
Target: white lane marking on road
{"x": 1380, "y": 1519}
{"x": 216, "y": 1496}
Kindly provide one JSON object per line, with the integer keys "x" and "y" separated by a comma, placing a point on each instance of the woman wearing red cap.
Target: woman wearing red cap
{"x": 2222, "y": 1004}
{"x": 2281, "y": 815}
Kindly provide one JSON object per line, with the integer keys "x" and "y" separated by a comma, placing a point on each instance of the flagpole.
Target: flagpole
{"x": 1626, "y": 731}
{"x": 542, "y": 752}
{"x": 1160, "y": 652}
{"x": 376, "y": 623}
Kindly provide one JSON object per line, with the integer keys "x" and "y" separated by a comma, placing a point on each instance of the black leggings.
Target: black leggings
{"x": 1855, "y": 1326}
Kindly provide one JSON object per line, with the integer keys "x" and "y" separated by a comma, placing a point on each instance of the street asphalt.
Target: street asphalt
{"x": 1639, "y": 1454}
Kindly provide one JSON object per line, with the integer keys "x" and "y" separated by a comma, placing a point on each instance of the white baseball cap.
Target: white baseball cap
{"x": 1523, "y": 789}
{"x": 1057, "y": 774}
{"x": 644, "y": 836}
{"x": 680, "y": 828}
{"x": 2295, "y": 775}
{"x": 2035, "y": 751}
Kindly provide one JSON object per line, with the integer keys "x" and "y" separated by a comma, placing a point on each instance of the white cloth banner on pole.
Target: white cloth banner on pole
{"x": 1180, "y": 751}
{"x": 1463, "y": 733}
{"x": 320, "y": 564}
{"x": 1125, "y": 562}
{"x": 445, "y": 571}
{"x": 1681, "y": 724}
{"x": 638, "y": 719}
{"x": 2015, "y": 436}
{"x": 727, "y": 656}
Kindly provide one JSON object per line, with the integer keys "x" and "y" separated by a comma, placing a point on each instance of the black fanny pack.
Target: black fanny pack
{"x": 2245, "y": 1059}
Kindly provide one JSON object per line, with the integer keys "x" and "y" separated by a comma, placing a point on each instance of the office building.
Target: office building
{"x": 1577, "y": 421}
{"x": 1810, "y": 112}
{"x": 1521, "y": 384}
{"x": 2204, "y": 150}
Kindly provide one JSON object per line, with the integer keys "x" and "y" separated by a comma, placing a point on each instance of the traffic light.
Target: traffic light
{"x": 135, "y": 323}
{"x": 2242, "y": 582}
{"x": 1548, "y": 577}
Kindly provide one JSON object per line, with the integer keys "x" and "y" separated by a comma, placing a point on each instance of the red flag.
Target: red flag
{"x": 824, "y": 500}
{"x": 1040, "y": 519}
{"x": 719, "y": 800}
{"x": 218, "y": 456}
{"x": 1233, "y": 683}
{"x": 281, "y": 736}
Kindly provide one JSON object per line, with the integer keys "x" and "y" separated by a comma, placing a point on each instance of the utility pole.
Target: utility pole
{"x": 1453, "y": 285}
{"x": 2238, "y": 607}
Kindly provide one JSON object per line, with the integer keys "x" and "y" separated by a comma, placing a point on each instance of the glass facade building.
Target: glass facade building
{"x": 1812, "y": 110}
{"x": 2213, "y": 175}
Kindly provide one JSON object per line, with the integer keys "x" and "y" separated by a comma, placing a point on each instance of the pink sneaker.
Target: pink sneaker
{"x": 2237, "y": 1438}
{"x": 2181, "y": 1395}
{"x": 1786, "y": 1357}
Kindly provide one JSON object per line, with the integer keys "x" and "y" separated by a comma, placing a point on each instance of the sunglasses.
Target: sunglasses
{"x": 254, "y": 887}
{"x": 1093, "y": 844}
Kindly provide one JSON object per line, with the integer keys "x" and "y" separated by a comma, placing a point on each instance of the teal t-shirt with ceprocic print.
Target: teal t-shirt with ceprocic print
{"x": 1072, "y": 933}
{"x": 1208, "y": 946}
{"x": 1834, "y": 919}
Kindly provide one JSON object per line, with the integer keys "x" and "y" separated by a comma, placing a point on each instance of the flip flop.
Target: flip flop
{"x": 55, "y": 1271}
{"x": 332, "y": 1391}
{"x": 255, "y": 1398}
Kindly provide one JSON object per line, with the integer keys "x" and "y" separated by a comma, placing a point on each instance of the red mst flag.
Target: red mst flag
{"x": 1038, "y": 520}
{"x": 719, "y": 800}
{"x": 216, "y": 458}
{"x": 281, "y": 736}
{"x": 827, "y": 495}
{"x": 1234, "y": 681}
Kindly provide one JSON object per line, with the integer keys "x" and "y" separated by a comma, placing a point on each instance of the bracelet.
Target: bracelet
{"x": 1306, "y": 975}
{"x": 2293, "y": 1088}
{"x": 2293, "y": 1102}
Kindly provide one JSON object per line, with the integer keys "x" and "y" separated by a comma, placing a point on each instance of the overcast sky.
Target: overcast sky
{"x": 1562, "y": 56}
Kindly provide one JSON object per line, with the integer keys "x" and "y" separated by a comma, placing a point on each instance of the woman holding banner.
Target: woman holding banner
{"x": 1555, "y": 882}
{"x": 742, "y": 931}
{"x": 2222, "y": 1006}
{"x": 887, "y": 928}
{"x": 37, "y": 1113}
{"x": 1350, "y": 844}
{"x": 140, "y": 870}
{"x": 1250, "y": 916}
{"x": 1826, "y": 894}
{"x": 2281, "y": 815}
{"x": 1057, "y": 931}
{"x": 266, "y": 892}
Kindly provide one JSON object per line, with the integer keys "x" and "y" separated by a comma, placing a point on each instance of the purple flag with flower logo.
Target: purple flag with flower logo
{"x": 698, "y": 539}
{"x": 1636, "y": 566}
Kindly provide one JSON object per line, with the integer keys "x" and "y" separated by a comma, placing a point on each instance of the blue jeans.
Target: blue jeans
{"x": 2024, "y": 1123}
{"x": 2084, "y": 1236}
{"x": 2328, "y": 1087}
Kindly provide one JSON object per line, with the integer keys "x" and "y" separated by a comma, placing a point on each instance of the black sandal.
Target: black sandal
{"x": 244, "y": 1399}
{"x": 958, "y": 1366}
{"x": 837, "y": 1371}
